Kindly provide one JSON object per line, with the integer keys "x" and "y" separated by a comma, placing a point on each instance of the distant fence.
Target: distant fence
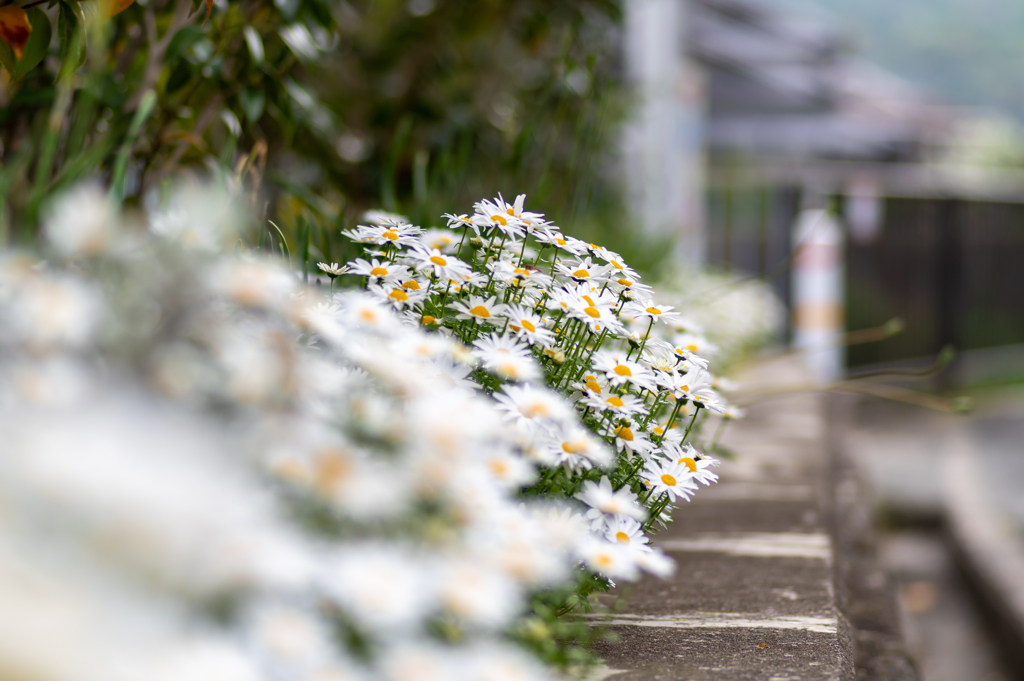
{"x": 952, "y": 269}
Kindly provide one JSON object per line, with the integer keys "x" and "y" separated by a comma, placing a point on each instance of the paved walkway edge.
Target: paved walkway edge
{"x": 866, "y": 596}
{"x": 988, "y": 547}
{"x": 777, "y": 576}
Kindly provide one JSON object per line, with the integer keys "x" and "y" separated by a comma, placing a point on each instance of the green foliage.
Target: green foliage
{"x": 410, "y": 105}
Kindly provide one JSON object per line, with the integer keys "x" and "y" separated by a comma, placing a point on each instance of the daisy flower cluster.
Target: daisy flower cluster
{"x": 209, "y": 471}
{"x": 608, "y": 389}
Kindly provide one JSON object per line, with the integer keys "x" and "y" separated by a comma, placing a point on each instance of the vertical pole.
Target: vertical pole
{"x": 818, "y": 294}
{"x": 948, "y": 283}
{"x": 663, "y": 141}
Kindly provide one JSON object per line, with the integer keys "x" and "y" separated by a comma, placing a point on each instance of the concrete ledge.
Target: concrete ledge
{"x": 768, "y": 566}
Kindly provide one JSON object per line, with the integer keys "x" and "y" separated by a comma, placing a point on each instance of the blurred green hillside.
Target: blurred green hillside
{"x": 964, "y": 51}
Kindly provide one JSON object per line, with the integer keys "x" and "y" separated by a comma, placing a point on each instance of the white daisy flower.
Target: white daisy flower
{"x": 442, "y": 266}
{"x": 610, "y": 559}
{"x": 451, "y": 374}
{"x": 626, "y": 531}
{"x": 670, "y": 477}
{"x": 483, "y": 310}
{"x": 561, "y": 242}
{"x": 393, "y": 234}
{"x": 362, "y": 309}
{"x": 657, "y": 313}
{"x": 697, "y": 463}
{"x": 506, "y": 357}
{"x": 697, "y": 345}
{"x": 380, "y": 584}
{"x": 511, "y": 274}
{"x": 624, "y": 404}
{"x": 620, "y": 270}
{"x": 510, "y": 472}
{"x": 601, "y": 497}
{"x": 530, "y": 407}
{"x": 632, "y": 440}
{"x": 378, "y": 269}
{"x": 603, "y": 253}
{"x": 656, "y": 562}
{"x": 526, "y": 324}
{"x": 332, "y": 270}
{"x": 618, "y": 370}
{"x": 491, "y": 215}
{"x": 582, "y": 270}
{"x": 457, "y": 221}
{"x": 576, "y": 447}
{"x": 443, "y": 240}
{"x": 397, "y": 296}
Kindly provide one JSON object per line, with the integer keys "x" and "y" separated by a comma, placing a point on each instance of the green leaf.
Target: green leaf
{"x": 38, "y": 43}
{"x": 182, "y": 41}
{"x": 252, "y": 101}
{"x": 71, "y": 35}
{"x": 180, "y": 75}
{"x": 35, "y": 49}
{"x": 7, "y": 58}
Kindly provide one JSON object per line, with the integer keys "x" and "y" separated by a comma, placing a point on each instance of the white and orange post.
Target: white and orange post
{"x": 818, "y": 295}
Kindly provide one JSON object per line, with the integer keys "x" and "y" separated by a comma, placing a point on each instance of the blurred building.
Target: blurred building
{"x": 788, "y": 85}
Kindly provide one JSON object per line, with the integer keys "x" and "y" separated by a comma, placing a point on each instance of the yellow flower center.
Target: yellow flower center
{"x": 561, "y": 242}
{"x": 590, "y": 300}
{"x": 604, "y": 560}
{"x": 592, "y": 311}
{"x": 379, "y": 272}
{"x": 499, "y": 218}
{"x": 399, "y": 294}
{"x": 508, "y": 369}
{"x": 367, "y": 315}
{"x": 616, "y": 402}
{"x": 510, "y": 211}
{"x": 625, "y": 433}
{"x": 412, "y": 285}
{"x": 625, "y": 282}
{"x": 622, "y": 537}
{"x": 581, "y": 274}
{"x": 534, "y": 410}
{"x": 438, "y": 260}
{"x": 527, "y": 325}
{"x": 616, "y": 265}
{"x": 690, "y": 463}
{"x": 480, "y": 311}
{"x": 427, "y": 319}
{"x": 691, "y": 347}
{"x": 622, "y": 370}
{"x": 332, "y": 468}
{"x": 685, "y": 388}
{"x": 594, "y": 386}
{"x": 668, "y": 480}
{"x": 390, "y": 235}
{"x": 658, "y": 430}
{"x": 653, "y": 310}
{"x": 571, "y": 447}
